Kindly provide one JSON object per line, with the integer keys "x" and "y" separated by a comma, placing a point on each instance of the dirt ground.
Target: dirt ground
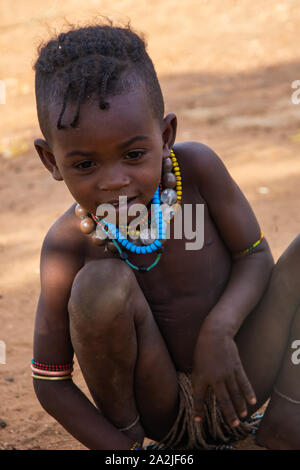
{"x": 226, "y": 69}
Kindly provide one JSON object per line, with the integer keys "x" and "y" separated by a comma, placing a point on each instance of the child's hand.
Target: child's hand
{"x": 217, "y": 364}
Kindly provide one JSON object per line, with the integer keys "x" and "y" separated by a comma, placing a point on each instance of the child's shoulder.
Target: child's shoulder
{"x": 198, "y": 160}
{"x": 64, "y": 236}
{"x": 202, "y": 168}
{"x": 194, "y": 150}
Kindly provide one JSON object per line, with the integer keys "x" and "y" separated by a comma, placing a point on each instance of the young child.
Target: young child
{"x": 174, "y": 344}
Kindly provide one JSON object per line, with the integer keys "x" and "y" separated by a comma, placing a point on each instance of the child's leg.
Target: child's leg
{"x": 265, "y": 342}
{"x": 120, "y": 350}
{"x": 281, "y": 425}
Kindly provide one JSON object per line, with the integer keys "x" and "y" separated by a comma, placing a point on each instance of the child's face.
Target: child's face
{"x": 113, "y": 152}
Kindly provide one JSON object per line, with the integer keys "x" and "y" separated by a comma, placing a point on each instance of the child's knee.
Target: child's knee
{"x": 290, "y": 259}
{"x": 287, "y": 267}
{"x": 101, "y": 289}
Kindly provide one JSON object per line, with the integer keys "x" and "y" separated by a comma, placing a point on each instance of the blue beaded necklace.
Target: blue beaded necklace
{"x": 158, "y": 223}
{"x": 128, "y": 245}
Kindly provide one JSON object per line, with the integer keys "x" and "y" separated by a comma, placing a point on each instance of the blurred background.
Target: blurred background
{"x": 226, "y": 69}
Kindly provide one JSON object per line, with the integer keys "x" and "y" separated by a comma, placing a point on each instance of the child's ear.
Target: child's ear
{"x": 169, "y": 133}
{"x": 47, "y": 158}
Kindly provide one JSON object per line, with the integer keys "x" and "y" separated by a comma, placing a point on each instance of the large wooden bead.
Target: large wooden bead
{"x": 87, "y": 225}
{"x": 167, "y": 164}
{"x": 97, "y": 238}
{"x": 169, "y": 180}
{"x": 80, "y": 211}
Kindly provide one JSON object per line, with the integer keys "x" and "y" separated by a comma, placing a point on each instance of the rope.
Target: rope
{"x": 205, "y": 435}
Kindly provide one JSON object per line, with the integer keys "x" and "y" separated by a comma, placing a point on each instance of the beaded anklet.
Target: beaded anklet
{"x": 135, "y": 446}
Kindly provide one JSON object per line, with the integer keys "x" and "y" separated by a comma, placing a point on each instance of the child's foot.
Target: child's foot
{"x": 279, "y": 429}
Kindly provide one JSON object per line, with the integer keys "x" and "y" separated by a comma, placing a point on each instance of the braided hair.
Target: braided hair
{"x": 99, "y": 60}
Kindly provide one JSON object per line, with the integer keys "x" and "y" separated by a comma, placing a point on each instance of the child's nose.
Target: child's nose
{"x": 113, "y": 180}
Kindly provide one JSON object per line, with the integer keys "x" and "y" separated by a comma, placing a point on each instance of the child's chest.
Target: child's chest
{"x": 193, "y": 268}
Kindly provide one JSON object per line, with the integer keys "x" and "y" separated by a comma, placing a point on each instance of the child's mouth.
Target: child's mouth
{"x": 122, "y": 203}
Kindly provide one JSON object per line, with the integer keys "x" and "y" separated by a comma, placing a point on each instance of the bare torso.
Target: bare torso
{"x": 184, "y": 286}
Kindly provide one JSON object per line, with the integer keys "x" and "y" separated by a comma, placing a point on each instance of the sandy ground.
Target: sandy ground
{"x": 226, "y": 69}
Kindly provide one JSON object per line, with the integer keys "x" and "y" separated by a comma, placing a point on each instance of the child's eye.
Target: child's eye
{"x": 134, "y": 154}
{"x": 83, "y": 165}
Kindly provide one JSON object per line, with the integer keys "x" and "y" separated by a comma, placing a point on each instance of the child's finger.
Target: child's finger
{"x": 199, "y": 392}
{"x": 245, "y": 386}
{"x": 237, "y": 396}
{"x": 226, "y": 405}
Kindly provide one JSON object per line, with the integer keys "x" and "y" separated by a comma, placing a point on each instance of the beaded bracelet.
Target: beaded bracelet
{"x": 135, "y": 446}
{"x": 51, "y": 367}
{"x": 45, "y": 371}
{"x": 251, "y": 248}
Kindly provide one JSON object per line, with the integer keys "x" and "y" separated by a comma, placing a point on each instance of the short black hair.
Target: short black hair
{"x": 92, "y": 60}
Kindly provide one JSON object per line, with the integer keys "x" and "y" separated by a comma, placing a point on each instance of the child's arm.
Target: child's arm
{"x": 60, "y": 261}
{"x": 216, "y": 360}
